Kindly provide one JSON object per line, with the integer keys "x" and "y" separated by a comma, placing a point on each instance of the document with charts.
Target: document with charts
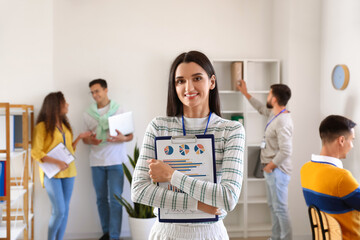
{"x": 193, "y": 156}
{"x": 59, "y": 152}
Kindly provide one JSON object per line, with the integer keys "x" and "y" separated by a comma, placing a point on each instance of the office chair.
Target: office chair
{"x": 323, "y": 226}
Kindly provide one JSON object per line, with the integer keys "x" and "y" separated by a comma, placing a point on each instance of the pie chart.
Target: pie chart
{"x": 184, "y": 149}
{"x": 168, "y": 150}
{"x": 199, "y": 149}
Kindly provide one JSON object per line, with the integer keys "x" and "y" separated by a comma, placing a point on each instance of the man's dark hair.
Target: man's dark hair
{"x": 335, "y": 126}
{"x": 282, "y": 93}
{"x": 100, "y": 81}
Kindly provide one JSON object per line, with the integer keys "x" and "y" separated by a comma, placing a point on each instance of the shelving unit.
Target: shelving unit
{"x": 251, "y": 217}
{"x": 17, "y": 203}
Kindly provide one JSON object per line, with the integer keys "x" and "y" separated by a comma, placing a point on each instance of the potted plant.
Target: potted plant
{"x": 141, "y": 217}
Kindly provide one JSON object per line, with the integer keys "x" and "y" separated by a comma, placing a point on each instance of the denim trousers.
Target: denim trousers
{"x": 109, "y": 180}
{"x": 277, "y": 193}
{"x": 59, "y": 191}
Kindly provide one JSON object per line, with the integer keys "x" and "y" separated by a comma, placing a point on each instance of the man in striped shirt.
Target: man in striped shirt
{"x": 326, "y": 184}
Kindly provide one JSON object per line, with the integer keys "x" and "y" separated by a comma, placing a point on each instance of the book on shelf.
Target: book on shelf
{"x": 236, "y": 74}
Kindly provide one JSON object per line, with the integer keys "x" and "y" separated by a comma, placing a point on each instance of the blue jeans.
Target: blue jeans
{"x": 109, "y": 180}
{"x": 277, "y": 192}
{"x": 59, "y": 191}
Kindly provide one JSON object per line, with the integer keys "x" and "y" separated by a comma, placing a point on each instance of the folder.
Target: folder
{"x": 59, "y": 152}
{"x": 194, "y": 155}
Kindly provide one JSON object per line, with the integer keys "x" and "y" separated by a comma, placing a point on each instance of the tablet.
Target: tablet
{"x": 122, "y": 122}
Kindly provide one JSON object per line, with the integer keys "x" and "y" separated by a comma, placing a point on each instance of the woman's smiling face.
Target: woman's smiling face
{"x": 193, "y": 86}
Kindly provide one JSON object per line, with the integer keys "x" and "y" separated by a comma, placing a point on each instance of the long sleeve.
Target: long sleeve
{"x": 225, "y": 194}
{"x": 284, "y": 139}
{"x": 229, "y": 149}
{"x": 260, "y": 107}
{"x": 144, "y": 191}
{"x": 37, "y": 149}
{"x": 349, "y": 190}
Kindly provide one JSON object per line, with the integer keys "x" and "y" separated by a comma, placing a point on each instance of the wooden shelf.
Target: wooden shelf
{"x": 259, "y": 227}
{"x": 257, "y": 200}
{"x": 252, "y": 179}
{"x": 18, "y": 173}
{"x": 267, "y": 60}
{"x": 19, "y": 214}
{"x": 17, "y": 229}
{"x": 13, "y": 155}
{"x": 229, "y": 92}
{"x": 13, "y": 111}
{"x": 253, "y": 145}
{"x": 259, "y": 92}
{"x": 231, "y": 111}
{"x": 16, "y": 194}
{"x": 251, "y": 218}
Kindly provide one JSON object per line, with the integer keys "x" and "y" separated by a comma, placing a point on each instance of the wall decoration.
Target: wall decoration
{"x": 340, "y": 76}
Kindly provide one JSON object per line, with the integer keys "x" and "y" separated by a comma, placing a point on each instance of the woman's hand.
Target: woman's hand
{"x": 62, "y": 165}
{"x": 85, "y": 134}
{"x": 208, "y": 209}
{"x": 88, "y": 137}
{"x": 160, "y": 171}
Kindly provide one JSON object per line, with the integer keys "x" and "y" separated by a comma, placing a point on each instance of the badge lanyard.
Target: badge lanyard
{"x": 63, "y": 135}
{"x": 183, "y": 124}
{"x": 263, "y": 143}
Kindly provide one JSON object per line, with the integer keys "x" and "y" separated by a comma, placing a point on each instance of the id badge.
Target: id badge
{"x": 263, "y": 144}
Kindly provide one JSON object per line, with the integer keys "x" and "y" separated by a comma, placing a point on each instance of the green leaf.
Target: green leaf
{"x": 139, "y": 210}
{"x": 127, "y": 206}
{"x": 136, "y": 153}
{"x": 127, "y": 173}
{"x": 132, "y": 162}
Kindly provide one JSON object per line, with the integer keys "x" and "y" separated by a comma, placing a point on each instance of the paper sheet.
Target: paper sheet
{"x": 59, "y": 152}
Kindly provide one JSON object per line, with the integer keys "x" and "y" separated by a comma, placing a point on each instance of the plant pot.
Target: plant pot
{"x": 140, "y": 227}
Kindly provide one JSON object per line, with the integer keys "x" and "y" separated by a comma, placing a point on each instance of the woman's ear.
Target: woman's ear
{"x": 212, "y": 82}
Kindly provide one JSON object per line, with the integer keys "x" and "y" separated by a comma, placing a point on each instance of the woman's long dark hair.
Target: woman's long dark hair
{"x": 51, "y": 111}
{"x": 174, "y": 105}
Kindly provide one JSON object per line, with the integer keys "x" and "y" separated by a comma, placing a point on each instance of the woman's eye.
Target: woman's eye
{"x": 179, "y": 81}
{"x": 197, "y": 78}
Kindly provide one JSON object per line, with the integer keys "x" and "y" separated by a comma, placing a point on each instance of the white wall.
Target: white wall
{"x": 303, "y": 75}
{"x": 340, "y": 45}
{"x": 26, "y": 67}
{"x": 297, "y": 43}
{"x": 26, "y": 51}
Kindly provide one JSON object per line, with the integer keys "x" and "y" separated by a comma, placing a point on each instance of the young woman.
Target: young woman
{"x": 52, "y": 127}
{"x": 194, "y": 108}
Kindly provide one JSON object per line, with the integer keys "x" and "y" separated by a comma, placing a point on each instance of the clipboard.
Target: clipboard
{"x": 194, "y": 155}
{"x": 59, "y": 152}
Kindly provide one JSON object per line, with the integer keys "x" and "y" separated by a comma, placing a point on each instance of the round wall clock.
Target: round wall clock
{"x": 340, "y": 76}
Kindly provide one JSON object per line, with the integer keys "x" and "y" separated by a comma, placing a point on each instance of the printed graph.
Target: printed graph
{"x": 184, "y": 149}
{"x": 199, "y": 149}
{"x": 186, "y": 166}
{"x": 168, "y": 150}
